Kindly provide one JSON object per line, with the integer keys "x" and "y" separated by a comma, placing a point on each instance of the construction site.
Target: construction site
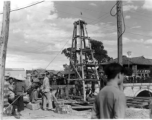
{"x": 73, "y": 90}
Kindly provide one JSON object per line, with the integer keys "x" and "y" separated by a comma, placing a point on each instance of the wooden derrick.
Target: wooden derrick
{"x": 79, "y": 61}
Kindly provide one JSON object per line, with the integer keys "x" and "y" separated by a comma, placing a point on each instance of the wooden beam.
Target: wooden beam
{"x": 80, "y": 107}
{"x": 3, "y": 50}
{"x": 84, "y": 79}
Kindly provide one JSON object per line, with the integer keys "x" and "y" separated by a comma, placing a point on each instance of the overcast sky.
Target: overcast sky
{"x": 38, "y": 33}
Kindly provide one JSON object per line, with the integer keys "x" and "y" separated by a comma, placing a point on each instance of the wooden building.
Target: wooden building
{"x": 140, "y": 65}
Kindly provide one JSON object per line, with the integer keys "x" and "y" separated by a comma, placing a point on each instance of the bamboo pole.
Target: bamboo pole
{"x": 3, "y": 50}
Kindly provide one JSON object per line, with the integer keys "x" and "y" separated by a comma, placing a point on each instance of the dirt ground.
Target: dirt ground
{"x": 131, "y": 113}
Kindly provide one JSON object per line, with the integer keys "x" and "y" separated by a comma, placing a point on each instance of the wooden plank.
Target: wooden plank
{"x": 84, "y": 79}
{"x": 139, "y": 97}
{"x": 141, "y": 103}
{"x": 61, "y": 86}
{"x": 74, "y": 96}
{"x": 3, "y": 50}
{"x": 81, "y": 107}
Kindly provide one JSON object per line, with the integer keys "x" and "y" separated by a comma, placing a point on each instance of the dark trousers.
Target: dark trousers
{"x": 18, "y": 104}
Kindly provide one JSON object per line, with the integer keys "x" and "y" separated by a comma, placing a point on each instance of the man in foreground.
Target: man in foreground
{"x": 110, "y": 103}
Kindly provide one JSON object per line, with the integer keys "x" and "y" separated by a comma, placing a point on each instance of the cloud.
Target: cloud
{"x": 129, "y": 7}
{"x": 135, "y": 27}
{"x": 137, "y": 40}
{"x": 23, "y": 62}
{"x": 92, "y": 4}
{"x": 127, "y": 17}
{"x": 129, "y": 1}
{"x": 149, "y": 41}
{"x": 38, "y": 33}
{"x": 125, "y": 40}
{"x": 147, "y": 5}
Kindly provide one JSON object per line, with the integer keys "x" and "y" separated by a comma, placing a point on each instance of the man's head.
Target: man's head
{"x": 11, "y": 80}
{"x": 47, "y": 74}
{"x": 115, "y": 71}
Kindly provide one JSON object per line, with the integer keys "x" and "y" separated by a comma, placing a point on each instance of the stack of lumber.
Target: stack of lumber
{"x": 138, "y": 102}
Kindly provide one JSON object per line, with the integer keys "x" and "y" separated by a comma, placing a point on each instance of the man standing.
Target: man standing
{"x": 19, "y": 89}
{"x": 46, "y": 93}
{"x": 110, "y": 103}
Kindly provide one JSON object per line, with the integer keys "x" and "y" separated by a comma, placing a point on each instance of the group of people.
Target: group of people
{"x": 110, "y": 102}
{"x": 17, "y": 88}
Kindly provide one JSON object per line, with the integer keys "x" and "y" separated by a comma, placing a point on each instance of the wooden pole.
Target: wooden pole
{"x": 81, "y": 60}
{"x": 3, "y": 50}
{"x": 119, "y": 32}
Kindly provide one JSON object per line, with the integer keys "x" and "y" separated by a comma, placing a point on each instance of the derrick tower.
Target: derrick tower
{"x": 81, "y": 57}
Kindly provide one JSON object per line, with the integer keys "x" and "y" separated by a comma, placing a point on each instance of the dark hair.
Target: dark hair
{"x": 47, "y": 73}
{"x": 112, "y": 69}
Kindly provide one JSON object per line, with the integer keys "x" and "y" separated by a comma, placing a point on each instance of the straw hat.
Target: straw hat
{"x": 7, "y": 74}
{"x": 20, "y": 77}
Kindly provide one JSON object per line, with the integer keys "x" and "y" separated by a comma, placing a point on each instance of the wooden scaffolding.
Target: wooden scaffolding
{"x": 79, "y": 61}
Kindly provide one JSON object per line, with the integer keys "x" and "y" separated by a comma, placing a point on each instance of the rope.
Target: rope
{"x": 122, "y": 17}
{"x": 56, "y": 55}
{"x": 112, "y": 9}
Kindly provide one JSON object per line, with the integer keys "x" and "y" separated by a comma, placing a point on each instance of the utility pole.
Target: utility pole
{"x": 119, "y": 30}
{"x": 3, "y": 50}
{"x": 119, "y": 33}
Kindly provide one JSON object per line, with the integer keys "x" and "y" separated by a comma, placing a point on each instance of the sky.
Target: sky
{"x": 38, "y": 34}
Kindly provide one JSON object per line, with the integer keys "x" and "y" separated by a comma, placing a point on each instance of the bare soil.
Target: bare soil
{"x": 131, "y": 113}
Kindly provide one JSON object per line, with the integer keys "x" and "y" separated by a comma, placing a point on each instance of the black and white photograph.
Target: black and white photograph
{"x": 75, "y": 59}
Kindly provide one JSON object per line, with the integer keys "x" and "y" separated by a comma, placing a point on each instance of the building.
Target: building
{"x": 16, "y": 71}
{"x": 140, "y": 65}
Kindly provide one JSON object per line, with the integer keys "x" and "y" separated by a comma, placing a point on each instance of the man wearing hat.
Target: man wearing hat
{"x": 19, "y": 89}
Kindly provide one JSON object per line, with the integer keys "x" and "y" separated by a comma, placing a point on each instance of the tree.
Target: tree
{"x": 100, "y": 54}
{"x": 66, "y": 67}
